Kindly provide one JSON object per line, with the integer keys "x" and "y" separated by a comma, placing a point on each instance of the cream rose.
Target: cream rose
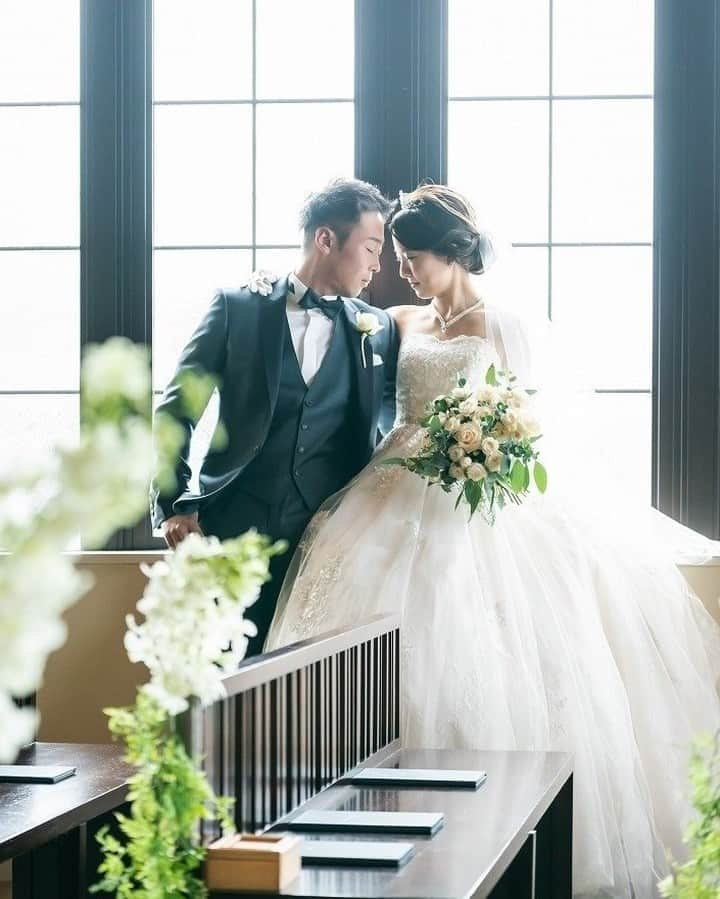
{"x": 493, "y": 462}
{"x": 487, "y": 394}
{"x": 456, "y": 453}
{"x": 490, "y": 446}
{"x": 466, "y": 462}
{"x": 475, "y": 472}
{"x": 456, "y": 472}
{"x": 468, "y": 407}
{"x": 452, "y": 424}
{"x": 460, "y": 393}
{"x": 530, "y": 426}
{"x": 469, "y": 436}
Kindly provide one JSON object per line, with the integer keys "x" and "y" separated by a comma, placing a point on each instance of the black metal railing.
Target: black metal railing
{"x": 297, "y": 719}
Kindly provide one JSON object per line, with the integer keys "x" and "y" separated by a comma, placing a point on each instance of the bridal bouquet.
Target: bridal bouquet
{"x": 482, "y": 439}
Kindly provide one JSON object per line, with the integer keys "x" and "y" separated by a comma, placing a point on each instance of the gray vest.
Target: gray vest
{"x": 313, "y": 444}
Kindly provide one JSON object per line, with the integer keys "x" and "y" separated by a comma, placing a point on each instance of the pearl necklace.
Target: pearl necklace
{"x": 445, "y": 323}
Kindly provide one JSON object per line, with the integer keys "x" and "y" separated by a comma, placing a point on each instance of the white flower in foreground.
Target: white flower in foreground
{"x": 116, "y": 368}
{"x": 194, "y": 604}
{"x": 92, "y": 487}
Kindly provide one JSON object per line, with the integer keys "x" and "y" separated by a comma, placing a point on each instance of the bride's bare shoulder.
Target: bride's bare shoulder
{"x": 407, "y": 316}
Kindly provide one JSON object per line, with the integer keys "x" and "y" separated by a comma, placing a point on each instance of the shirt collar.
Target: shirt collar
{"x": 299, "y": 290}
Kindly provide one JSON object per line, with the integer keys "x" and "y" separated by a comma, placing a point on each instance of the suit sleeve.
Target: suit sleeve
{"x": 204, "y": 354}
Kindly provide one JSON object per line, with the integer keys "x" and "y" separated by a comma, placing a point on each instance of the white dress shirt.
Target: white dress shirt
{"x": 310, "y": 330}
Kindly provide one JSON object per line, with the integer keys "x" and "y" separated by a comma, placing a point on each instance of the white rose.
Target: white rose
{"x": 368, "y": 323}
{"x": 466, "y": 462}
{"x": 460, "y": 393}
{"x": 452, "y": 424}
{"x": 510, "y": 419}
{"x": 469, "y": 436}
{"x": 493, "y": 462}
{"x": 487, "y": 395}
{"x": 456, "y": 472}
{"x": 530, "y": 426}
{"x": 442, "y": 417}
{"x": 468, "y": 407}
{"x": 489, "y": 446}
{"x": 456, "y": 453}
{"x": 517, "y": 399}
{"x": 262, "y": 281}
{"x": 475, "y": 472}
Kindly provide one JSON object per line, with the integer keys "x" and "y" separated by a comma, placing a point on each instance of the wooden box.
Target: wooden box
{"x": 244, "y": 861}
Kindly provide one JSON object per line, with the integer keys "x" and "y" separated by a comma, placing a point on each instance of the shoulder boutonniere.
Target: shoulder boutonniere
{"x": 262, "y": 282}
{"x": 368, "y": 324}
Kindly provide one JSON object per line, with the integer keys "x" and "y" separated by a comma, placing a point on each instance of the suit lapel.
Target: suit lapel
{"x": 365, "y": 373}
{"x": 273, "y": 322}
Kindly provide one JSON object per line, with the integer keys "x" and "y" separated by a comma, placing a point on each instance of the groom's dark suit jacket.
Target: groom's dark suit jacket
{"x": 243, "y": 342}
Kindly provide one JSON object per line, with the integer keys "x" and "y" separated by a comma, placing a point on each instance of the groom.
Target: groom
{"x": 305, "y": 382}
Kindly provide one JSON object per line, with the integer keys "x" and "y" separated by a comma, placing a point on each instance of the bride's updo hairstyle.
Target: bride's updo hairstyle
{"x": 437, "y": 219}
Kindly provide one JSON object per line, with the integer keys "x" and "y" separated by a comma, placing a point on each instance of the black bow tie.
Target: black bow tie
{"x": 329, "y": 308}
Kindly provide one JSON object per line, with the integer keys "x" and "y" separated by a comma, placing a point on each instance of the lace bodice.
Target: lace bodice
{"x": 428, "y": 366}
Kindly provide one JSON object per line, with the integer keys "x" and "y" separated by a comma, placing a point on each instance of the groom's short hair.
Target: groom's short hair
{"x": 339, "y": 206}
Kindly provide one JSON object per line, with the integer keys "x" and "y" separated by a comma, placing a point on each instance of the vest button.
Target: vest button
{"x": 304, "y": 427}
{"x": 297, "y": 473}
{"x": 308, "y": 402}
{"x": 301, "y": 449}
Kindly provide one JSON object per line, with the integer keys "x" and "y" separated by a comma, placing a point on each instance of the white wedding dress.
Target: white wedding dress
{"x": 546, "y": 631}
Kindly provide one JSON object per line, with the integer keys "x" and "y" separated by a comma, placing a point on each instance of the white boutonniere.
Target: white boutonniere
{"x": 262, "y": 281}
{"x": 368, "y": 325}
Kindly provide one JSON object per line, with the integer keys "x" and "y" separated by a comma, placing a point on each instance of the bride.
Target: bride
{"x": 560, "y": 627}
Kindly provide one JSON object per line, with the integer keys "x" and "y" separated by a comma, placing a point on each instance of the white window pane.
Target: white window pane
{"x": 33, "y": 424}
{"x": 305, "y": 50}
{"x": 288, "y": 169}
{"x": 202, "y": 52}
{"x": 602, "y": 170}
{"x": 39, "y": 176}
{"x": 518, "y": 280}
{"x": 629, "y": 415}
{"x": 40, "y": 320}
{"x": 40, "y": 51}
{"x": 498, "y": 155}
{"x": 603, "y": 46}
{"x": 602, "y": 300}
{"x": 498, "y": 48}
{"x": 278, "y": 261}
{"x": 185, "y": 283}
{"x": 202, "y": 436}
{"x": 203, "y": 175}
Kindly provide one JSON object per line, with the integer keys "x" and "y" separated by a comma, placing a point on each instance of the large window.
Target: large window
{"x": 39, "y": 225}
{"x": 247, "y": 118}
{"x": 550, "y": 133}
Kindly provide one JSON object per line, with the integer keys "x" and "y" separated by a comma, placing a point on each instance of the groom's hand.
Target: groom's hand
{"x": 176, "y": 528}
